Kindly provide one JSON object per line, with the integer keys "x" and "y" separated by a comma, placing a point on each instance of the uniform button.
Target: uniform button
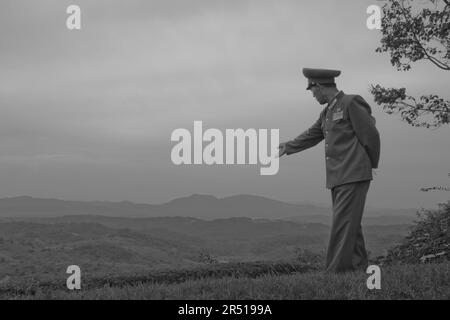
{"x": 328, "y": 158}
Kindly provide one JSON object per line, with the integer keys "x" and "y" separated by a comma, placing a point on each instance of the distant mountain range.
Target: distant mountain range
{"x": 205, "y": 207}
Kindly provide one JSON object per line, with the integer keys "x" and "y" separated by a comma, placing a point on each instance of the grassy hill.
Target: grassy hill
{"x": 417, "y": 281}
{"x": 179, "y": 258}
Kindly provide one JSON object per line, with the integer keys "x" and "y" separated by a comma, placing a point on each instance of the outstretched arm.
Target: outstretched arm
{"x": 306, "y": 140}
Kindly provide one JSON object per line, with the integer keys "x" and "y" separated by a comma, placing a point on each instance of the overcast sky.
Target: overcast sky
{"x": 88, "y": 115}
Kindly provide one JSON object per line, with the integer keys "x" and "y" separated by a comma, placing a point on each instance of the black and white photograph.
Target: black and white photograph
{"x": 224, "y": 155}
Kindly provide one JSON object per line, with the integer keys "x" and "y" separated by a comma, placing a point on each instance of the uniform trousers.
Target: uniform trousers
{"x": 346, "y": 249}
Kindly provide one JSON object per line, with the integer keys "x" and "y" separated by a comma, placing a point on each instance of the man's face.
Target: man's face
{"x": 317, "y": 93}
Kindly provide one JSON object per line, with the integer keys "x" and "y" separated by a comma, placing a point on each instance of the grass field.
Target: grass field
{"x": 419, "y": 281}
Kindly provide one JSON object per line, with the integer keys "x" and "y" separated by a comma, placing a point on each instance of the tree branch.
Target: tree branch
{"x": 422, "y": 109}
{"x": 435, "y": 61}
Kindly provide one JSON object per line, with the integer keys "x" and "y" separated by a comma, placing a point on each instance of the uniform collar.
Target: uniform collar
{"x": 335, "y": 99}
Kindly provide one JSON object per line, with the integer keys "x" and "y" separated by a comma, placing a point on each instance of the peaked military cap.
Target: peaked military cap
{"x": 320, "y": 76}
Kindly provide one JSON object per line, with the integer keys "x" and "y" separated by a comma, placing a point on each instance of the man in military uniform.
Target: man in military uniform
{"x": 352, "y": 150}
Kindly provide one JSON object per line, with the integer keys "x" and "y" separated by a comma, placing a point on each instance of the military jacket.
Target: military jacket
{"x": 352, "y": 142}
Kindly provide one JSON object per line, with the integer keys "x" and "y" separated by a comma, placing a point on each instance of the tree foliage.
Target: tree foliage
{"x": 428, "y": 111}
{"x": 428, "y": 240}
{"x": 412, "y": 31}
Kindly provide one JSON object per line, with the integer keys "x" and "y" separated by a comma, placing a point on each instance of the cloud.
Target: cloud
{"x": 113, "y": 92}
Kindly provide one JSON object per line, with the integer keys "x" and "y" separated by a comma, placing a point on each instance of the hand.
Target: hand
{"x": 282, "y": 150}
{"x": 374, "y": 172}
